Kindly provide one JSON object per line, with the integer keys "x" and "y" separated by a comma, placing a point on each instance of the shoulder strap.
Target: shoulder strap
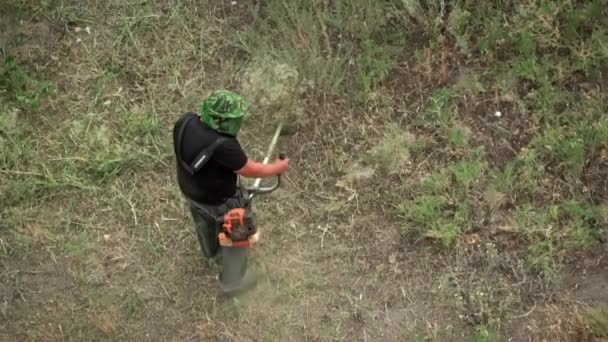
{"x": 202, "y": 157}
{"x": 178, "y": 143}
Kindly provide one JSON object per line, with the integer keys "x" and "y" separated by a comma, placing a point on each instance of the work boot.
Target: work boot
{"x": 236, "y": 277}
{"x": 248, "y": 282}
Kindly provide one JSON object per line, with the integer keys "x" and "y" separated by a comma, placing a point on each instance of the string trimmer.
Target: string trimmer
{"x": 238, "y": 228}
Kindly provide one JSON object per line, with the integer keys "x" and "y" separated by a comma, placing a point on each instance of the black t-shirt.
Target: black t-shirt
{"x": 217, "y": 179}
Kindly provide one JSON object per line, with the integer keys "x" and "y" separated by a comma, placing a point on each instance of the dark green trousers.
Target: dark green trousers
{"x": 233, "y": 260}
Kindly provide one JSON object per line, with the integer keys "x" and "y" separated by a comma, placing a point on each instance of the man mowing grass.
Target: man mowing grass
{"x": 209, "y": 160}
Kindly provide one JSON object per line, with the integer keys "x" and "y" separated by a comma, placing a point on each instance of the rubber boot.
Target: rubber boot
{"x": 235, "y": 277}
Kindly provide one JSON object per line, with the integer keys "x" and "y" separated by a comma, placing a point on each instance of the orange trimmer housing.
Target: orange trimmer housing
{"x": 237, "y": 228}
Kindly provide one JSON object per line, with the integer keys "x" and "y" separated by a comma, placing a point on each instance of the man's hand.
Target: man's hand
{"x": 258, "y": 170}
{"x": 281, "y": 164}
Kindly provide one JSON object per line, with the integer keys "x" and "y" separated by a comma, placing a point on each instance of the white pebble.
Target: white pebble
{"x": 88, "y": 29}
{"x": 498, "y": 114}
{"x": 78, "y": 40}
{"x": 233, "y": 3}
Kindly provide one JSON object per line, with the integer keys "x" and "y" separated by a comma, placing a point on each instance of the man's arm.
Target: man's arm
{"x": 254, "y": 169}
{"x": 231, "y": 156}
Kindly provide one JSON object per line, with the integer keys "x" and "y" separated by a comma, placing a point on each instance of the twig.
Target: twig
{"x": 166, "y": 292}
{"x": 527, "y": 313}
{"x": 132, "y": 210}
{"x": 25, "y": 173}
{"x": 325, "y": 230}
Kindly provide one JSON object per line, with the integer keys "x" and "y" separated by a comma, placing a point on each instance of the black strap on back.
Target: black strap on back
{"x": 202, "y": 157}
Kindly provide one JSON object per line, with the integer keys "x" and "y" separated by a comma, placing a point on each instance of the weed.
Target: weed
{"x": 433, "y": 333}
{"x": 373, "y": 67}
{"x": 23, "y": 89}
{"x": 300, "y": 28}
{"x": 426, "y": 209}
{"x": 527, "y": 68}
{"x": 392, "y": 152}
{"x": 438, "y": 112}
{"x": 558, "y": 145}
{"x": 420, "y": 145}
{"x": 307, "y": 27}
{"x": 427, "y": 15}
{"x": 596, "y": 322}
{"x": 444, "y": 231}
{"x": 132, "y": 304}
{"x": 543, "y": 258}
{"x": 142, "y": 129}
{"x": 470, "y": 83}
{"x": 458, "y": 21}
{"x": 467, "y": 172}
{"x": 61, "y": 14}
{"x": 15, "y": 144}
{"x": 505, "y": 180}
{"x": 436, "y": 183}
{"x": 524, "y": 44}
{"x": 581, "y": 218}
{"x": 494, "y": 37}
{"x": 456, "y": 137}
{"x": 572, "y": 153}
{"x": 484, "y": 334}
{"x": 521, "y": 175}
{"x": 553, "y": 229}
{"x": 101, "y": 86}
{"x": 434, "y": 218}
{"x": 78, "y": 246}
{"x": 151, "y": 248}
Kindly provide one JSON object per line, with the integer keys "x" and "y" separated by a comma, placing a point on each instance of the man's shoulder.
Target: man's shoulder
{"x": 229, "y": 142}
{"x": 183, "y": 118}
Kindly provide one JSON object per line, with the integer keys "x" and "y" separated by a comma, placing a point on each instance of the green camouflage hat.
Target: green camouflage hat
{"x": 223, "y": 111}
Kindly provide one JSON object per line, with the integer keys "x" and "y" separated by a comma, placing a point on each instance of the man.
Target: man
{"x": 212, "y": 190}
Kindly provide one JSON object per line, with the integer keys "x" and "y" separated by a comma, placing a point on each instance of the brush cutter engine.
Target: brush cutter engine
{"x": 238, "y": 228}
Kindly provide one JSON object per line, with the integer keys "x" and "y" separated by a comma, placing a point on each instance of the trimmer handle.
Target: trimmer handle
{"x": 257, "y": 190}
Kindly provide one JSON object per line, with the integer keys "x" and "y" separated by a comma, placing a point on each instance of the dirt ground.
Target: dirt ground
{"x": 335, "y": 265}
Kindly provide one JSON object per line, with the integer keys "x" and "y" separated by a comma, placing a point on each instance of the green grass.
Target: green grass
{"x": 467, "y": 172}
{"x": 373, "y": 67}
{"x": 456, "y": 137}
{"x": 484, "y": 334}
{"x": 521, "y": 176}
{"x": 301, "y": 35}
{"x": 566, "y": 128}
{"x": 438, "y": 110}
{"x": 595, "y": 322}
{"x": 19, "y": 87}
{"x": 554, "y": 229}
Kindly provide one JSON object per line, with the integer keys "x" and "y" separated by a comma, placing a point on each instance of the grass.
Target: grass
{"x": 310, "y": 28}
{"x": 20, "y": 87}
{"x": 483, "y": 211}
{"x": 596, "y": 322}
{"x": 392, "y": 152}
{"x": 558, "y": 145}
{"x": 551, "y": 230}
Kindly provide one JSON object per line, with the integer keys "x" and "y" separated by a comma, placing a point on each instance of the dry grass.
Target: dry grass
{"x": 95, "y": 243}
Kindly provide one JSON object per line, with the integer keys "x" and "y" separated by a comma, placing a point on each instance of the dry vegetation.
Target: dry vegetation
{"x": 449, "y": 175}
